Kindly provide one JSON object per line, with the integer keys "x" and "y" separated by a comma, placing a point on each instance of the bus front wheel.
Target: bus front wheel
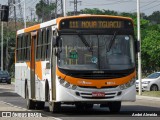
{"x": 54, "y": 107}
{"x": 114, "y": 107}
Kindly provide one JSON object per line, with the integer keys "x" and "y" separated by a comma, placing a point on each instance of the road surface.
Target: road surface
{"x": 128, "y": 111}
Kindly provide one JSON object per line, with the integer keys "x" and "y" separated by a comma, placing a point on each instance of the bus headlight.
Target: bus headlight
{"x": 128, "y": 84}
{"x": 66, "y": 84}
{"x": 61, "y": 81}
{"x": 74, "y": 87}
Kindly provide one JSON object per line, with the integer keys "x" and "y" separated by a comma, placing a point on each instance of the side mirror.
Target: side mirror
{"x": 60, "y": 45}
{"x": 55, "y": 41}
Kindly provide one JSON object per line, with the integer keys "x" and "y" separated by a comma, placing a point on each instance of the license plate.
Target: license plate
{"x": 3, "y": 80}
{"x": 98, "y": 94}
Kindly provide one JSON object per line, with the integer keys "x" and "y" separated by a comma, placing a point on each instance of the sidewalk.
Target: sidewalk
{"x": 139, "y": 97}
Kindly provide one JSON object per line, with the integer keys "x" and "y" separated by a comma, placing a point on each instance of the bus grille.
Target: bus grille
{"x": 98, "y": 76}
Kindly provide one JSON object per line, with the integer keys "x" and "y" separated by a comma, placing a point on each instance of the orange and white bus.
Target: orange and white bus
{"x": 81, "y": 60}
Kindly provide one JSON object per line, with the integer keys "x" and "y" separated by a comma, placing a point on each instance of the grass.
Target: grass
{"x": 151, "y": 93}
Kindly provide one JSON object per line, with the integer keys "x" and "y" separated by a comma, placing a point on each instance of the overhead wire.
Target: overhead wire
{"x": 102, "y": 4}
{"x": 151, "y": 2}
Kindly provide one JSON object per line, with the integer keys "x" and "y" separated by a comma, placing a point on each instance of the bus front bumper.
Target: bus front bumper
{"x": 86, "y": 94}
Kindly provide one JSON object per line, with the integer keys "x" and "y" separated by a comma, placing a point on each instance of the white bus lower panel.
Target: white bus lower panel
{"x": 69, "y": 95}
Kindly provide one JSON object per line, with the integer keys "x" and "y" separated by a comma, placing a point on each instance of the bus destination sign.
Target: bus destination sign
{"x": 95, "y": 24}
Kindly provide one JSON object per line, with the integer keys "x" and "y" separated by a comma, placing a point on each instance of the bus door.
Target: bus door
{"x": 33, "y": 55}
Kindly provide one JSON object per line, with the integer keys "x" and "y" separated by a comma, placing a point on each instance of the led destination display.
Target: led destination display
{"x": 95, "y": 23}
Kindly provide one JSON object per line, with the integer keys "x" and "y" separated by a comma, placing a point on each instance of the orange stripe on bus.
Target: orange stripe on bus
{"x": 98, "y": 82}
{"x": 32, "y": 28}
{"x": 38, "y": 69}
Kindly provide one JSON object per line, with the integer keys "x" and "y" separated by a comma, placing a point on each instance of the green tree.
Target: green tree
{"x": 155, "y": 17}
{"x": 44, "y": 10}
{"x": 150, "y": 51}
{"x": 92, "y": 11}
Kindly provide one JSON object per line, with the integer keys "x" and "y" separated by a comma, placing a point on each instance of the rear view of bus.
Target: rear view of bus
{"x": 95, "y": 61}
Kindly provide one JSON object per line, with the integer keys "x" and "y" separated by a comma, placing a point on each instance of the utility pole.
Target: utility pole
{"x": 15, "y": 17}
{"x": 75, "y": 2}
{"x": 1, "y": 45}
{"x": 4, "y": 18}
{"x": 59, "y": 8}
{"x": 24, "y": 13}
{"x": 32, "y": 10}
{"x": 7, "y": 55}
{"x": 139, "y": 53}
{"x": 20, "y": 9}
{"x": 64, "y": 7}
{"x": 48, "y": 2}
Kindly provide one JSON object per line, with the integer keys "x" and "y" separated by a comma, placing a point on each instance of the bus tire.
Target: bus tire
{"x": 30, "y": 103}
{"x": 40, "y": 105}
{"x": 114, "y": 107}
{"x": 54, "y": 107}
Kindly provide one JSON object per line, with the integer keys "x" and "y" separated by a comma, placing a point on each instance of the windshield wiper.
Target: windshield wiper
{"x": 85, "y": 42}
{"x": 111, "y": 42}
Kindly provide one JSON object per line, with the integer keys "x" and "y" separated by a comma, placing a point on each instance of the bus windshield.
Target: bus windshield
{"x": 97, "y": 52}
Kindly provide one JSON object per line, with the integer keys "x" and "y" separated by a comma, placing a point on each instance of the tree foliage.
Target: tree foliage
{"x": 44, "y": 11}
{"x": 155, "y": 17}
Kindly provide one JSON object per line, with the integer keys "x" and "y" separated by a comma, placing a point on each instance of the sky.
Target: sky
{"x": 146, "y": 6}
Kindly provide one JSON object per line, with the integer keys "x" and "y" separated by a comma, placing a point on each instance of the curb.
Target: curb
{"x": 139, "y": 97}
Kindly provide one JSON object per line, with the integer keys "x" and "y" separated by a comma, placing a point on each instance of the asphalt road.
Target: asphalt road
{"x": 69, "y": 112}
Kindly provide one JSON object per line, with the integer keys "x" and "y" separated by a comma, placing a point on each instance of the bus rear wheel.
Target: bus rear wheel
{"x": 114, "y": 107}
{"x": 30, "y": 103}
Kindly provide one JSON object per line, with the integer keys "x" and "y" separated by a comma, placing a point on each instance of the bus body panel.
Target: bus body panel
{"x": 22, "y": 74}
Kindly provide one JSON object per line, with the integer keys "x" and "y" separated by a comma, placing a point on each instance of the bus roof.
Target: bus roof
{"x": 57, "y": 20}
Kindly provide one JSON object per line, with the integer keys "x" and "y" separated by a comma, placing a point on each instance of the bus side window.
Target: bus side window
{"x": 28, "y": 46}
{"x": 38, "y": 53}
{"x": 48, "y": 38}
{"x": 43, "y": 43}
{"x": 20, "y": 48}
